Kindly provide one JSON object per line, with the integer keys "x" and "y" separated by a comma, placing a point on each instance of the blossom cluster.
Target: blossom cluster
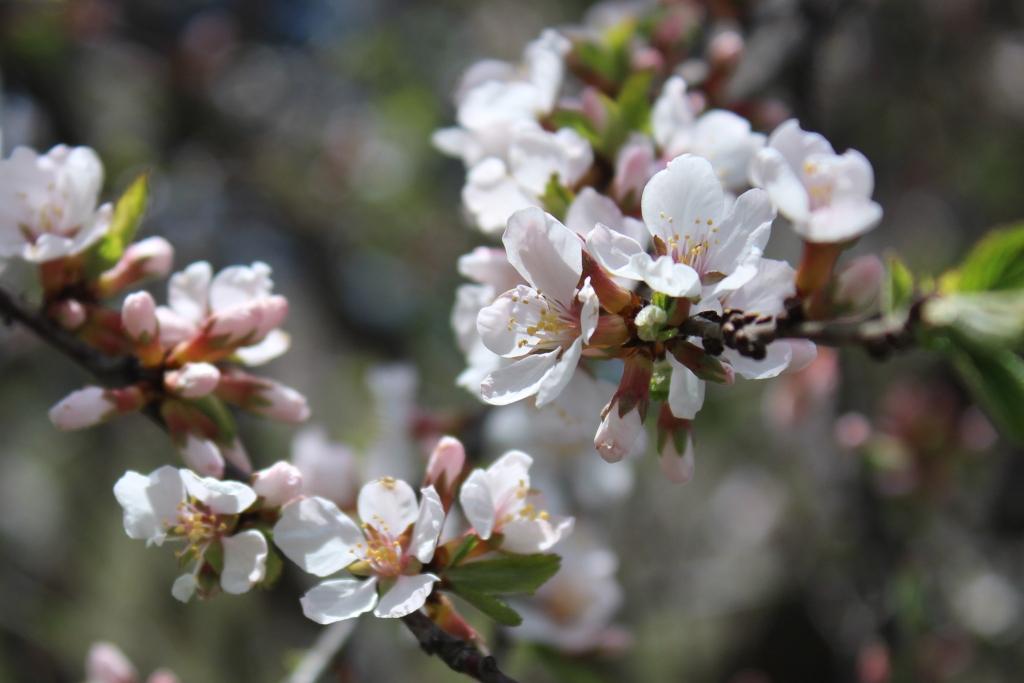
{"x": 184, "y": 356}
{"x": 632, "y": 205}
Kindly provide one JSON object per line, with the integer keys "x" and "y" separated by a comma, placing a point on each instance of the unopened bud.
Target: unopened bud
{"x": 445, "y": 467}
{"x": 633, "y": 168}
{"x": 138, "y": 315}
{"x": 618, "y": 434}
{"x": 69, "y": 314}
{"x": 263, "y": 396}
{"x": 236, "y": 454}
{"x": 163, "y": 676}
{"x": 675, "y": 447}
{"x": 726, "y": 48}
{"x": 151, "y": 257}
{"x": 700, "y": 363}
{"x": 192, "y": 380}
{"x": 647, "y": 59}
{"x": 83, "y": 408}
{"x": 105, "y": 663}
{"x": 859, "y": 285}
{"x": 277, "y": 484}
{"x": 649, "y": 321}
{"x": 203, "y": 457}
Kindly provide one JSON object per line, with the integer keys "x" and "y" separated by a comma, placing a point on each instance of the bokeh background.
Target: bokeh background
{"x": 860, "y": 522}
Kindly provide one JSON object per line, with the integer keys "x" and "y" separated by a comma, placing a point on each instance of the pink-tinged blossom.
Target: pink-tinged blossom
{"x": 328, "y": 468}
{"x": 542, "y": 326}
{"x": 499, "y": 500}
{"x": 192, "y": 380}
{"x": 83, "y": 408}
{"x": 263, "y": 396}
{"x": 233, "y": 313}
{"x": 444, "y": 468}
{"x": 826, "y": 196}
{"x": 138, "y": 317}
{"x": 148, "y": 258}
{"x": 617, "y": 434}
{"x": 176, "y": 504}
{"x": 105, "y": 663}
{"x": 48, "y": 203}
{"x": 203, "y": 456}
{"x": 278, "y": 484}
{"x": 397, "y": 536}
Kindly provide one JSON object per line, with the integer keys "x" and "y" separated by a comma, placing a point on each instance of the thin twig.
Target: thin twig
{"x": 459, "y": 655}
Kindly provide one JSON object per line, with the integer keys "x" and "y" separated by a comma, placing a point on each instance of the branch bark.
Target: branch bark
{"x": 459, "y": 655}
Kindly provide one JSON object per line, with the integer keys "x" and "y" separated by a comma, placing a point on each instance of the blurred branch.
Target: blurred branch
{"x": 109, "y": 371}
{"x": 319, "y": 657}
{"x": 459, "y": 655}
{"x": 750, "y": 334}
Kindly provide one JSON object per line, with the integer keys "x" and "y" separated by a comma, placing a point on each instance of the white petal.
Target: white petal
{"x": 222, "y": 497}
{"x": 685, "y": 391}
{"x": 388, "y": 505}
{"x": 535, "y": 155}
{"x": 338, "y": 600}
{"x": 559, "y": 375}
{"x": 314, "y": 534}
{"x": 745, "y": 230}
{"x": 510, "y": 325}
{"x": 477, "y": 503}
{"x": 617, "y": 253}
{"x": 240, "y": 285}
{"x": 150, "y": 503}
{"x": 776, "y": 360}
{"x": 677, "y": 467}
{"x": 517, "y": 380}
{"x": 428, "y": 525}
{"x": 671, "y": 112}
{"x": 405, "y": 597}
{"x": 841, "y": 221}
{"x": 590, "y": 208}
{"x": 681, "y": 199}
{"x": 492, "y": 196}
{"x": 770, "y": 171}
{"x": 526, "y": 536}
{"x": 589, "y": 311}
{"x": 545, "y": 252}
{"x": 675, "y": 279}
{"x": 184, "y": 587}
{"x": 275, "y": 344}
{"x": 245, "y": 561}
{"x": 188, "y": 291}
{"x": 796, "y": 144}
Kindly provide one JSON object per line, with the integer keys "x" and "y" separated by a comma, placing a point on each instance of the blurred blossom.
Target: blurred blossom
{"x": 328, "y": 467}
{"x": 988, "y": 604}
{"x": 1005, "y": 74}
{"x": 793, "y": 398}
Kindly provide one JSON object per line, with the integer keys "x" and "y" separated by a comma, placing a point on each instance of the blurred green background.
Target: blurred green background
{"x": 297, "y": 132}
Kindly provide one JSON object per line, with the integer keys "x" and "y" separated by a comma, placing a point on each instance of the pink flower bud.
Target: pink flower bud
{"x": 152, "y": 257}
{"x": 633, "y": 168}
{"x": 236, "y": 454}
{"x": 593, "y": 107}
{"x": 859, "y": 284}
{"x": 237, "y": 324}
{"x": 617, "y": 434}
{"x": 138, "y": 315}
{"x": 203, "y": 457}
{"x": 278, "y": 484}
{"x": 192, "y": 380}
{"x": 105, "y": 663}
{"x": 725, "y": 48}
{"x": 69, "y": 314}
{"x": 445, "y": 464}
{"x": 282, "y": 403}
{"x": 647, "y": 58}
{"x": 163, "y": 676}
{"x": 273, "y": 311}
{"x": 83, "y": 408}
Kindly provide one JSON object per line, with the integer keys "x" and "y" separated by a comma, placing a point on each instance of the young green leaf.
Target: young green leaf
{"x": 507, "y": 574}
{"x": 128, "y": 214}
{"x": 995, "y": 263}
{"x": 556, "y": 198}
{"x": 898, "y": 287}
{"x": 493, "y": 607}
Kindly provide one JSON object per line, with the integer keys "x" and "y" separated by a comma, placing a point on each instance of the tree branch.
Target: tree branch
{"x": 459, "y": 655}
{"x": 108, "y": 371}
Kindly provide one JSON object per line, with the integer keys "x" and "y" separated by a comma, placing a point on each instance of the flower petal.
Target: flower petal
{"x": 517, "y": 380}
{"x": 685, "y": 391}
{"x": 770, "y": 171}
{"x": 314, "y": 534}
{"x": 245, "y": 561}
{"x": 150, "y": 503}
{"x": 184, "y": 587}
{"x": 405, "y": 597}
{"x": 222, "y": 497}
{"x": 338, "y": 600}
{"x": 524, "y": 536}
{"x": 679, "y": 201}
{"x": 428, "y": 525}
{"x": 675, "y": 279}
{"x": 188, "y": 291}
{"x": 478, "y": 503}
{"x": 388, "y": 505}
{"x": 560, "y": 374}
{"x": 545, "y": 252}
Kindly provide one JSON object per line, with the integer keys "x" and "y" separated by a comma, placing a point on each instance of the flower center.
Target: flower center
{"x": 198, "y": 526}
{"x": 384, "y": 554}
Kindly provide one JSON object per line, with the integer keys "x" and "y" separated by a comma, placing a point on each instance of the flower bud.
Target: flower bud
{"x": 203, "y": 457}
{"x": 263, "y": 396}
{"x": 138, "y": 315}
{"x": 277, "y": 484}
{"x": 859, "y": 285}
{"x": 649, "y": 322}
{"x": 236, "y": 454}
{"x": 69, "y": 314}
{"x": 151, "y": 257}
{"x": 105, "y": 663}
{"x": 675, "y": 447}
{"x": 163, "y": 676}
{"x": 633, "y": 169}
{"x": 445, "y": 467}
{"x": 618, "y": 434}
{"x": 725, "y": 48}
{"x": 700, "y": 363}
{"x": 647, "y": 58}
{"x": 83, "y": 408}
{"x": 192, "y": 380}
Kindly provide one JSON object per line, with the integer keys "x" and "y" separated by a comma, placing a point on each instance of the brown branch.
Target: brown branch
{"x": 108, "y": 370}
{"x": 460, "y": 655}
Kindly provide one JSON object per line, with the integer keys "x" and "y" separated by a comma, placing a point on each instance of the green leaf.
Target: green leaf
{"x": 214, "y": 556}
{"x": 507, "y": 574}
{"x": 218, "y": 412}
{"x": 493, "y": 607}
{"x": 898, "y": 287}
{"x": 274, "y": 567}
{"x": 579, "y": 122}
{"x": 556, "y": 198}
{"x": 463, "y": 550}
{"x": 995, "y": 263}
{"x": 127, "y": 215}
{"x": 630, "y": 112}
{"x": 990, "y": 318}
{"x": 996, "y": 378}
